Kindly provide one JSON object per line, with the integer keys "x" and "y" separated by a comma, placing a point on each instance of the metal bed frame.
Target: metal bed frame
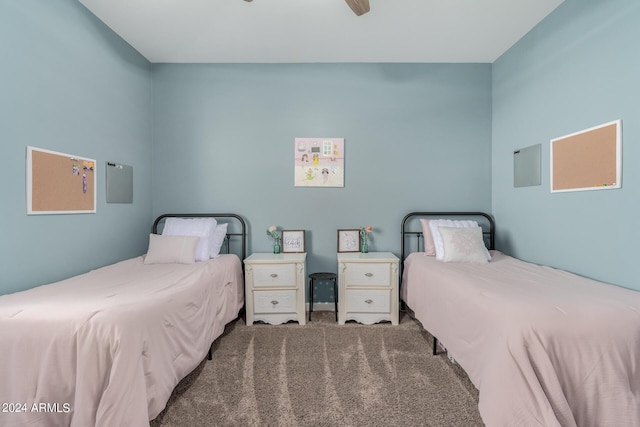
{"x": 406, "y": 231}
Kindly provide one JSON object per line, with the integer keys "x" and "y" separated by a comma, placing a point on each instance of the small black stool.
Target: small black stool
{"x": 323, "y": 276}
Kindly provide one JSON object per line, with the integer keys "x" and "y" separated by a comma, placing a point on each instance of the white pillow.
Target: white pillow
{"x": 429, "y": 247}
{"x": 171, "y": 249}
{"x": 201, "y": 227}
{"x": 217, "y": 239}
{"x": 463, "y": 244}
{"x": 437, "y": 238}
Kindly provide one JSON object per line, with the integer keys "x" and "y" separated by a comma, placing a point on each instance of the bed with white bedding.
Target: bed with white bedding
{"x": 543, "y": 346}
{"x": 107, "y": 348}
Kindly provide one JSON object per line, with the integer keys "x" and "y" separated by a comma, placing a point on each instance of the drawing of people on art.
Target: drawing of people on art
{"x": 334, "y": 166}
{"x": 305, "y": 158}
{"x": 325, "y": 175}
{"x": 310, "y": 174}
{"x": 315, "y": 158}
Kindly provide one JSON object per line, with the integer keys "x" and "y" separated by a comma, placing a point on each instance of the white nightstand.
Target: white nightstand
{"x": 368, "y": 287}
{"x": 275, "y": 288}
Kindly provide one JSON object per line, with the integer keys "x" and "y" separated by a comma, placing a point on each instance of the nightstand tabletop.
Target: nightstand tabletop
{"x": 368, "y": 257}
{"x": 275, "y": 258}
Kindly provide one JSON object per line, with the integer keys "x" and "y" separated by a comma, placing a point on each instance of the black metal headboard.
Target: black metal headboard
{"x": 488, "y": 228}
{"x": 242, "y": 234}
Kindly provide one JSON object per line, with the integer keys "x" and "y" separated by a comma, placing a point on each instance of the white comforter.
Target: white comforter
{"x": 544, "y": 347}
{"x": 108, "y": 347}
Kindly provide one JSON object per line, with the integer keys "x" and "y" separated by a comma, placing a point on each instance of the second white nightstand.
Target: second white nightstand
{"x": 275, "y": 288}
{"x": 368, "y": 287}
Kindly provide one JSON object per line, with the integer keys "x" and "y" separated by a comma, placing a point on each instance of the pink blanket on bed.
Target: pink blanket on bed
{"x": 108, "y": 347}
{"x": 544, "y": 347}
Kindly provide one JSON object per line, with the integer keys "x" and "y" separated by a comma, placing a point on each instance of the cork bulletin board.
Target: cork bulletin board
{"x": 59, "y": 183}
{"x": 588, "y": 160}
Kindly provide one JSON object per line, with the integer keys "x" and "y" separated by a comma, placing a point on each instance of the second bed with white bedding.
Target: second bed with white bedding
{"x": 544, "y": 347}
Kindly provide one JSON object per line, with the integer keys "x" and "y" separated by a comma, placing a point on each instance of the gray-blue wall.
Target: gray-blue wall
{"x": 577, "y": 69}
{"x": 69, "y": 84}
{"x": 220, "y": 138}
{"x": 417, "y": 136}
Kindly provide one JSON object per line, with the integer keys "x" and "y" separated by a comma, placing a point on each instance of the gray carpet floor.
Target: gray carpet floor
{"x": 324, "y": 374}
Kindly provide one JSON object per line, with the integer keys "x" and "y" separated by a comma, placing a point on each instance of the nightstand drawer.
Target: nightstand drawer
{"x": 368, "y": 301}
{"x": 274, "y": 301}
{"x": 368, "y": 274}
{"x": 274, "y": 275}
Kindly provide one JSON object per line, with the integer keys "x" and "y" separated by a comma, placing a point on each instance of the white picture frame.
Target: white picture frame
{"x": 349, "y": 240}
{"x": 293, "y": 241}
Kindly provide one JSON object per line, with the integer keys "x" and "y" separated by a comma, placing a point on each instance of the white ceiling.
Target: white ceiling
{"x": 321, "y": 30}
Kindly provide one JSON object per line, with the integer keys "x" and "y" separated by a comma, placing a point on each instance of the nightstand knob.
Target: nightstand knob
{"x": 368, "y": 301}
{"x": 274, "y": 302}
{"x": 274, "y": 275}
{"x": 368, "y": 274}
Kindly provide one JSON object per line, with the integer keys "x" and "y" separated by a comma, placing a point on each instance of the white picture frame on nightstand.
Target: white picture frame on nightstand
{"x": 293, "y": 241}
{"x": 349, "y": 240}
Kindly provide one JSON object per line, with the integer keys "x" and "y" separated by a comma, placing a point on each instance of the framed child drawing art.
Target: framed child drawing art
{"x": 319, "y": 162}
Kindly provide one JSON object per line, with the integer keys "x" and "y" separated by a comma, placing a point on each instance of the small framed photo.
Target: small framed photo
{"x": 349, "y": 240}
{"x": 293, "y": 241}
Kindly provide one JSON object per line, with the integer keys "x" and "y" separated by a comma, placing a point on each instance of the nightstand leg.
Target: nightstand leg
{"x": 335, "y": 297}
{"x": 310, "y": 298}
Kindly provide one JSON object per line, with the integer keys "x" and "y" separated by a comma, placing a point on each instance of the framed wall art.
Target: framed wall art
{"x": 59, "y": 183}
{"x": 349, "y": 240}
{"x": 319, "y": 162}
{"x": 293, "y": 241}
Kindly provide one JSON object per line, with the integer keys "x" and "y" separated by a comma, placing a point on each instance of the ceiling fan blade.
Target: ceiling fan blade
{"x": 359, "y": 7}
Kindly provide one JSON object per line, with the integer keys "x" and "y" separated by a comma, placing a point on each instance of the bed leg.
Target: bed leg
{"x": 209, "y": 356}
{"x": 435, "y": 346}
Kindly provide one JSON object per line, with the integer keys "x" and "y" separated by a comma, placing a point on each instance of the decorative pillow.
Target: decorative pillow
{"x": 463, "y": 244}
{"x": 429, "y": 247}
{"x": 217, "y": 239}
{"x": 201, "y": 227}
{"x": 437, "y": 238}
{"x": 171, "y": 249}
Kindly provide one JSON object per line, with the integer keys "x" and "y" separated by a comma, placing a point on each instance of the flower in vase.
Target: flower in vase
{"x": 364, "y": 232}
{"x": 272, "y": 231}
{"x": 364, "y": 236}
